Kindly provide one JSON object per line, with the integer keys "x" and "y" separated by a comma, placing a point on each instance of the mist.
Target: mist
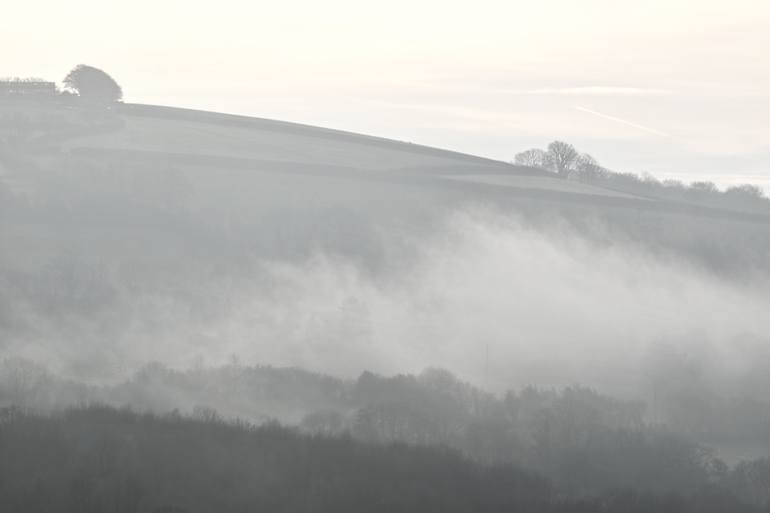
{"x": 499, "y": 303}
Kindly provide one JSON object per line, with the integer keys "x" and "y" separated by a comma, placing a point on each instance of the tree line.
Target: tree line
{"x": 580, "y": 440}
{"x": 85, "y": 82}
{"x": 567, "y": 162}
{"x": 102, "y": 459}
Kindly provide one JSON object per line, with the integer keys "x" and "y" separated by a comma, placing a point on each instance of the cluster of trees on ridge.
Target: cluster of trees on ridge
{"x": 567, "y": 162}
{"x": 86, "y": 82}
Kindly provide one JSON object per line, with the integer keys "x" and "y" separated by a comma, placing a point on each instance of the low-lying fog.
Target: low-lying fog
{"x": 495, "y": 301}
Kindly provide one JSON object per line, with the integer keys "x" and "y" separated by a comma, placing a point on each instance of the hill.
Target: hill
{"x": 183, "y": 137}
{"x": 145, "y": 233}
{"x": 188, "y": 138}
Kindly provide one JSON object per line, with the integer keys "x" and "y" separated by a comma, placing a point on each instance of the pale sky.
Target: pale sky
{"x": 670, "y": 87}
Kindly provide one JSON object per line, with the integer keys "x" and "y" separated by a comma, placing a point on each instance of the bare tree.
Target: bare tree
{"x": 585, "y": 161}
{"x": 588, "y": 169}
{"x": 562, "y": 157}
{"x": 534, "y": 157}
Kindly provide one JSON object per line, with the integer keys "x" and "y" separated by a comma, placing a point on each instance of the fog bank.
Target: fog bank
{"x": 499, "y": 303}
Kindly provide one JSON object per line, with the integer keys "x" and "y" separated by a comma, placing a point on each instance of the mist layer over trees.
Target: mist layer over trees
{"x": 614, "y": 330}
{"x": 658, "y": 446}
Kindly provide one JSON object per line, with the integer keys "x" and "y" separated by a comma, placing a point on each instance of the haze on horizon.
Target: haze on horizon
{"x": 675, "y": 88}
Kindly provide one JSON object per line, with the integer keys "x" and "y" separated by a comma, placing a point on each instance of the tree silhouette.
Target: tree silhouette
{"x": 93, "y": 84}
{"x": 531, "y": 158}
{"x": 562, "y": 157}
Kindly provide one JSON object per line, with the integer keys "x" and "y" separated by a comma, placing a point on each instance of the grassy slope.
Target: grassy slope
{"x": 189, "y": 138}
{"x": 211, "y": 139}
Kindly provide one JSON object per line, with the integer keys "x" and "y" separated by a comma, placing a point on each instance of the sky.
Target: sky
{"x": 675, "y": 88}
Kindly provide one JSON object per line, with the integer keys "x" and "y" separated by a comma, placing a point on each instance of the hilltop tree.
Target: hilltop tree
{"x": 588, "y": 169}
{"x": 531, "y": 158}
{"x": 93, "y": 84}
{"x": 562, "y": 157}
{"x": 585, "y": 162}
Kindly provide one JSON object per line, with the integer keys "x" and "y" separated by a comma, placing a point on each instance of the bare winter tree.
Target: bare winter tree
{"x": 534, "y": 157}
{"x": 585, "y": 162}
{"x": 562, "y": 157}
{"x": 588, "y": 169}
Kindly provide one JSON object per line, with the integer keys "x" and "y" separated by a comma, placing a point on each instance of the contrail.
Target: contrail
{"x": 623, "y": 121}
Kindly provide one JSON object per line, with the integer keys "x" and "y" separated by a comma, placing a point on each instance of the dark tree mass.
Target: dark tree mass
{"x": 100, "y": 459}
{"x": 93, "y": 84}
